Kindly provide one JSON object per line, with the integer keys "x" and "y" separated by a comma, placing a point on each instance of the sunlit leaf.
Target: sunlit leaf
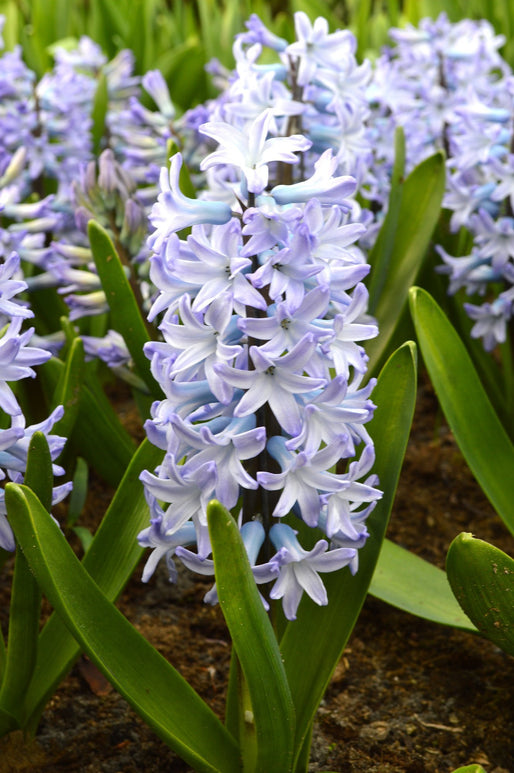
{"x": 126, "y": 516}
{"x": 126, "y": 315}
{"x": 270, "y": 713}
{"x": 158, "y": 694}
{"x": 408, "y": 582}
{"x": 407, "y": 245}
{"x": 479, "y": 433}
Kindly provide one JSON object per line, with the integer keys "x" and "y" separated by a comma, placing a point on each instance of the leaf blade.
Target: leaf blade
{"x": 255, "y": 644}
{"x": 125, "y": 312}
{"x": 419, "y": 211}
{"x": 110, "y": 569}
{"x": 395, "y": 397}
{"x": 406, "y": 581}
{"x": 163, "y": 698}
{"x": 482, "y": 579}
{"x": 479, "y": 433}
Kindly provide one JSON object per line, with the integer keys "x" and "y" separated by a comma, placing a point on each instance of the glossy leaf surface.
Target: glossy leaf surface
{"x": 256, "y": 646}
{"x": 110, "y": 569}
{"x": 25, "y": 601}
{"x": 394, "y": 395}
{"x": 482, "y": 578}
{"x": 97, "y": 432}
{"x": 404, "y": 247}
{"x": 478, "y": 431}
{"x": 125, "y": 313}
{"x": 406, "y": 581}
{"x": 157, "y": 692}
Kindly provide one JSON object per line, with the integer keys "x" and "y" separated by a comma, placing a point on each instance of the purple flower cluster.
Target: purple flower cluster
{"x": 449, "y": 88}
{"x": 46, "y": 140}
{"x": 262, "y": 313}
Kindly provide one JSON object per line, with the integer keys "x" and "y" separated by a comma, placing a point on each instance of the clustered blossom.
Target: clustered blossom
{"x": 449, "y": 88}
{"x": 262, "y": 313}
{"x": 256, "y": 284}
{"x": 46, "y": 138}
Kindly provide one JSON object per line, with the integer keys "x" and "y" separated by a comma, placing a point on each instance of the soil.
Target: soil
{"x": 408, "y": 696}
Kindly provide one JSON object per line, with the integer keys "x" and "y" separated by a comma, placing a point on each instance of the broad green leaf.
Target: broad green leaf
{"x": 98, "y": 434}
{"x": 125, "y": 312}
{"x": 157, "y": 692}
{"x": 394, "y": 396}
{"x": 408, "y": 582}
{"x": 268, "y": 718}
{"x": 482, "y": 578}
{"x": 470, "y": 769}
{"x": 407, "y": 245}
{"x": 25, "y": 600}
{"x": 479, "y": 433}
{"x": 126, "y": 516}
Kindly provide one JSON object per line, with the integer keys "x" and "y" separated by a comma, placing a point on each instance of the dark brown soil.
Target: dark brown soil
{"x": 407, "y": 697}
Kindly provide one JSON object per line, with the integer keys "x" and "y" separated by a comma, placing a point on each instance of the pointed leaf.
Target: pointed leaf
{"x": 126, "y": 315}
{"x": 408, "y": 582}
{"x": 419, "y": 211}
{"x": 479, "y": 433}
{"x": 98, "y": 433}
{"x": 126, "y": 516}
{"x": 382, "y": 253}
{"x": 25, "y": 600}
{"x": 394, "y": 396}
{"x": 157, "y": 693}
{"x": 99, "y": 113}
{"x": 255, "y": 644}
{"x": 69, "y": 388}
{"x": 482, "y": 578}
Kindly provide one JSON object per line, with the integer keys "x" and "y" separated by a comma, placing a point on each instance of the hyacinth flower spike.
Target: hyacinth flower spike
{"x": 260, "y": 361}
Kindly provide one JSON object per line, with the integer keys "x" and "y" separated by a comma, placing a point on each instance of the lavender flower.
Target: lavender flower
{"x": 256, "y": 319}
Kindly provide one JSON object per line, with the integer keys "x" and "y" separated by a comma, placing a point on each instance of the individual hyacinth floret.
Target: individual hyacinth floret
{"x": 263, "y": 311}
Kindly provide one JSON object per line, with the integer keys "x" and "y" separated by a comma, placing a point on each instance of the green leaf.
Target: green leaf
{"x": 470, "y": 769}
{"x": 126, "y": 516}
{"x": 407, "y": 245}
{"x": 184, "y": 67}
{"x": 77, "y": 498}
{"x": 68, "y": 390}
{"x": 482, "y": 578}
{"x": 157, "y": 693}
{"x": 479, "y": 433}
{"x": 99, "y": 113}
{"x": 25, "y": 601}
{"x": 125, "y": 313}
{"x": 98, "y": 434}
{"x": 39, "y": 474}
{"x": 269, "y": 715}
{"x": 394, "y": 396}
{"x": 408, "y": 582}
{"x": 382, "y": 253}
{"x": 85, "y": 537}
